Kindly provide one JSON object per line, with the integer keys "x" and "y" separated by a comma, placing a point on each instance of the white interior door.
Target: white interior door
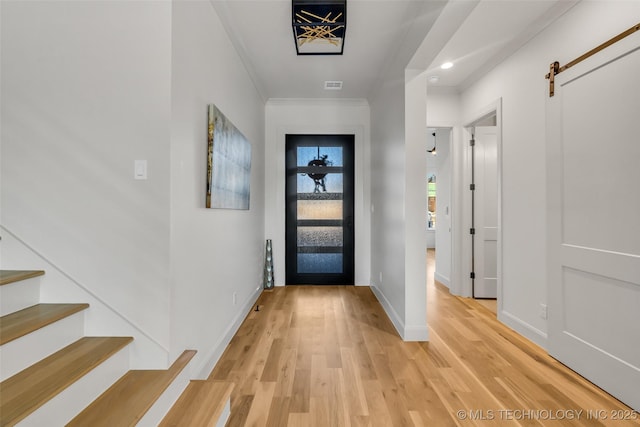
{"x": 486, "y": 212}
{"x": 593, "y": 179}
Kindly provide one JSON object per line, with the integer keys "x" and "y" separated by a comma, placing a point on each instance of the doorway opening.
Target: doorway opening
{"x": 319, "y": 192}
{"x": 438, "y": 215}
{"x": 482, "y": 172}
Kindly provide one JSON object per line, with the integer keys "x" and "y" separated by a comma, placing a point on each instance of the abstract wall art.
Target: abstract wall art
{"x": 228, "y": 164}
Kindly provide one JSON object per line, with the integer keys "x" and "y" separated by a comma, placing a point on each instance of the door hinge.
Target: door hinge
{"x": 472, "y": 275}
{"x": 472, "y": 142}
{"x": 472, "y": 231}
{"x": 472, "y": 187}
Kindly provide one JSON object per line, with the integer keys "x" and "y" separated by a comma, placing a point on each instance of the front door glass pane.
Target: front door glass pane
{"x": 320, "y": 209}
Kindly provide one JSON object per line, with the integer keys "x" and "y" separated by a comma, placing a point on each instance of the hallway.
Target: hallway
{"x": 328, "y": 356}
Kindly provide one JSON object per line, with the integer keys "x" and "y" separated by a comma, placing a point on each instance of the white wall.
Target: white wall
{"x": 520, "y": 82}
{"x": 89, "y": 87}
{"x": 387, "y": 199}
{"x": 215, "y": 253}
{"x": 443, "y": 206}
{"x": 443, "y": 108}
{"x": 415, "y": 206}
{"x": 317, "y": 117}
{"x": 398, "y": 201}
{"x": 85, "y": 92}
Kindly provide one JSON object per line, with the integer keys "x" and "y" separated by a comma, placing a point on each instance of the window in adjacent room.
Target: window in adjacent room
{"x": 431, "y": 202}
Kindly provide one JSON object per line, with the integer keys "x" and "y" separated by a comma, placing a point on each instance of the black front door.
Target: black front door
{"x": 319, "y": 211}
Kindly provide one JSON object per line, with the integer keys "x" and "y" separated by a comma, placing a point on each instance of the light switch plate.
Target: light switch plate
{"x": 140, "y": 169}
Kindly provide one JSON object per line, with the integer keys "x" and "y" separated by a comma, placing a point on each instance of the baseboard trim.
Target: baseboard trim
{"x": 442, "y": 279}
{"x": 406, "y": 332}
{"x": 416, "y": 333}
{"x": 211, "y": 358}
{"x": 388, "y": 309}
{"x": 523, "y": 328}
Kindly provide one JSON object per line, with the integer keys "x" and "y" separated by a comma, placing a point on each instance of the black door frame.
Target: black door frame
{"x": 347, "y": 142}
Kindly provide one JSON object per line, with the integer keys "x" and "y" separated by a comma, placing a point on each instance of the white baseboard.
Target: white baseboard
{"x": 416, "y": 333}
{"x": 407, "y": 332}
{"x": 523, "y": 328}
{"x": 398, "y": 323}
{"x": 203, "y": 370}
{"x": 442, "y": 279}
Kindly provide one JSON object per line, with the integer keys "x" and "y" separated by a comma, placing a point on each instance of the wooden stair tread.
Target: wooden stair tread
{"x": 200, "y": 405}
{"x": 10, "y": 276}
{"x": 23, "y": 322}
{"x": 29, "y": 389}
{"x": 132, "y": 395}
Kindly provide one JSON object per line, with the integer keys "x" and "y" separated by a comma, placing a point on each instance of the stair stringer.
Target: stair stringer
{"x": 57, "y": 286}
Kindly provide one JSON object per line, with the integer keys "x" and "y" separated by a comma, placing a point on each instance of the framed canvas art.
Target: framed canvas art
{"x": 228, "y": 164}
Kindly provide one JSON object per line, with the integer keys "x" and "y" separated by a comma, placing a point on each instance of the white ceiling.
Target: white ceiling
{"x": 382, "y": 34}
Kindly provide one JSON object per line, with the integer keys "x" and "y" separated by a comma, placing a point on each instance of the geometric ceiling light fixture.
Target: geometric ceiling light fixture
{"x": 319, "y": 26}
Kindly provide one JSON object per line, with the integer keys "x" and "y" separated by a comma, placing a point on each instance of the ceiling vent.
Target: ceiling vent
{"x": 333, "y": 85}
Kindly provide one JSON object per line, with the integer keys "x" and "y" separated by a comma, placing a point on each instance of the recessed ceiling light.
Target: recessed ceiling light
{"x": 446, "y": 65}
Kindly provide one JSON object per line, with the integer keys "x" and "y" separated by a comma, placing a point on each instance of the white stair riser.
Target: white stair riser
{"x": 71, "y": 401}
{"x": 18, "y": 295}
{"x": 226, "y": 413}
{"x": 23, "y": 352}
{"x": 161, "y": 407}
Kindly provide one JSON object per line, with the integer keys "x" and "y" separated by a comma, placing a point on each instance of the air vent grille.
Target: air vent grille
{"x": 333, "y": 85}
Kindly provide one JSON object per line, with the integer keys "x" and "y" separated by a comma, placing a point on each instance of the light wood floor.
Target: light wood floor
{"x": 329, "y": 356}
{"x": 489, "y": 304}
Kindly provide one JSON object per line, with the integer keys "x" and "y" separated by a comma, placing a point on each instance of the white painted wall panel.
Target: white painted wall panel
{"x": 388, "y": 194}
{"x": 217, "y": 255}
{"x": 85, "y": 92}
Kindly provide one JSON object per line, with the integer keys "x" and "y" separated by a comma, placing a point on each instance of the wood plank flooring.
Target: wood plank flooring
{"x": 329, "y": 356}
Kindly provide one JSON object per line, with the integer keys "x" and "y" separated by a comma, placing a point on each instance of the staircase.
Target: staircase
{"x": 53, "y": 375}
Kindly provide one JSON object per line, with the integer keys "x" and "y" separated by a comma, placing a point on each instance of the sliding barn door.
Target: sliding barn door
{"x": 593, "y": 183}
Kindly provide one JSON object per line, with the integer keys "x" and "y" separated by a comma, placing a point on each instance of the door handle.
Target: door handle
{"x": 348, "y": 223}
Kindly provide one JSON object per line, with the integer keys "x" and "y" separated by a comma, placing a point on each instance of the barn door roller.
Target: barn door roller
{"x": 555, "y": 68}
